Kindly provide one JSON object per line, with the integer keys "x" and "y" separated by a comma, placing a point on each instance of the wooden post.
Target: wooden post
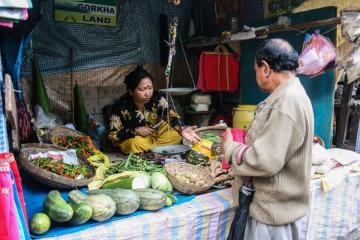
{"x": 341, "y": 127}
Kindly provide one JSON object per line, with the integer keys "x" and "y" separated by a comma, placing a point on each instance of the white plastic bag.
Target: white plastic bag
{"x": 350, "y": 25}
{"x": 344, "y": 156}
{"x": 319, "y": 155}
{"x": 201, "y": 98}
{"x": 46, "y": 120}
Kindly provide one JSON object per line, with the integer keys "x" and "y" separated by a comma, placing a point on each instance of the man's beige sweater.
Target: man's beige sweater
{"x": 279, "y": 155}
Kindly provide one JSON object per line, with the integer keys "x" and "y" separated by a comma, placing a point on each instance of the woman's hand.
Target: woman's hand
{"x": 144, "y": 131}
{"x": 189, "y": 134}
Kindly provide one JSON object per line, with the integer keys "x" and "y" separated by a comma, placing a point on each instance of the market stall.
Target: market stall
{"x": 208, "y": 216}
{"x": 61, "y": 126}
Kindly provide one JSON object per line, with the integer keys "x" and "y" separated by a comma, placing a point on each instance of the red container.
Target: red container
{"x": 238, "y": 136}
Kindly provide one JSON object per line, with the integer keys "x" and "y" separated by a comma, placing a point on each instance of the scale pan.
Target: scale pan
{"x": 177, "y": 91}
{"x": 171, "y": 149}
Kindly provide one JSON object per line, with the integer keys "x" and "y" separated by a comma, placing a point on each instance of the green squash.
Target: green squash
{"x": 127, "y": 201}
{"x": 82, "y": 213}
{"x": 39, "y": 223}
{"x": 56, "y": 207}
{"x": 151, "y": 199}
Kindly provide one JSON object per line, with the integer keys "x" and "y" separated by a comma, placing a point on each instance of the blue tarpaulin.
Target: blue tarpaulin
{"x": 35, "y": 194}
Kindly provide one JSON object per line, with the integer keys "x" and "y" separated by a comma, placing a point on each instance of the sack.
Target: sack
{"x": 218, "y": 70}
{"x": 318, "y": 55}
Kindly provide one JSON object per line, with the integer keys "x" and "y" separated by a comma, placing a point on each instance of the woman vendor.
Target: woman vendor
{"x": 139, "y": 120}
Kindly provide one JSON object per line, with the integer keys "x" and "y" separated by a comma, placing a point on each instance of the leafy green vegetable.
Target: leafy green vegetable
{"x": 160, "y": 182}
{"x": 134, "y": 163}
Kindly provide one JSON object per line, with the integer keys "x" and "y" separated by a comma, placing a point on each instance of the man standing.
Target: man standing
{"x": 277, "y": 154}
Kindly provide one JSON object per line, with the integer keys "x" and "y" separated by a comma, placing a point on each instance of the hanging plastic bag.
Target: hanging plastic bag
{"x": 318, "y": 55}
{"x": 349, "y": 60}
{"x": 350, "y": 25}
{"x": 46, "y": 120}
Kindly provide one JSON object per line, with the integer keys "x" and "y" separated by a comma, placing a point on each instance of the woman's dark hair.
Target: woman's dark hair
{"x": 279, "y": 54}
{"x": 133, "y": 79}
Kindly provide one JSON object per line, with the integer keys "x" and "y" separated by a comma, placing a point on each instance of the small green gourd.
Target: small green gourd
{"x": 57, "y": 208}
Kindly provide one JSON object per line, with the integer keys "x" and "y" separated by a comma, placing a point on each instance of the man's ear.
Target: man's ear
{"x": 267, "y": 69}
{"x": 130, "y": 92}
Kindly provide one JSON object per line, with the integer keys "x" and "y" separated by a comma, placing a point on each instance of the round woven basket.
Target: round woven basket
{"x": 63, "y": 131}
{"x": 188, "y": 188}
{"x": 218, "y": 130}
{"x": 49, "y": 178}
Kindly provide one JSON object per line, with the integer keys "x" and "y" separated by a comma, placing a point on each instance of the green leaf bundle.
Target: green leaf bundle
{"x": 40, "y": 96}
{"x": 81, "y": 117}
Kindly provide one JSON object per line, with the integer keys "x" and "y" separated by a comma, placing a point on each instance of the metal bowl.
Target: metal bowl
{"x": 171, "y": 149}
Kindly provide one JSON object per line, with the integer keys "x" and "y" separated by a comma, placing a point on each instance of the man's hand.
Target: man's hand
{"x": 228, "y": 137}
{"x": 189, "y": 134}
{"x": 144, "y": 131}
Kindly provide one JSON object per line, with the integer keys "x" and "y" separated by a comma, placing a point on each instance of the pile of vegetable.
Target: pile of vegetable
{"x": 201, "y": 153}
{"x": 209, "y": 148}
{"x": 82, "y": 145}
{"x": 211, "y": 137}
{"x": 61, "y": 168}
{"x": 137, "y": 179}
{"x": 134, "y": 163}
{"x": 196, "y": 158}
{"x": 222, "y": 176}
{"x": 99, "y": 205}
{"x": 190, "y": 178}
{"x": 216, "y": 147}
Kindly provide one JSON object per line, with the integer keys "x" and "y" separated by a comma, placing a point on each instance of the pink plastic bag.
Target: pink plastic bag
{"x": 9, "y": 224}
{"x": 318, "y": 55}
{"x": 238, "y": 136}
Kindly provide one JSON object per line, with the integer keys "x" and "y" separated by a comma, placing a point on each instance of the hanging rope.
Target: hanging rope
{"x": 172, "y": 51}
{"x": 187, "y": 62}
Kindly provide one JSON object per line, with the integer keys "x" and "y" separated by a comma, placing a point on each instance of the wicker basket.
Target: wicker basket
{"x": 188, "y": 188}
{"x": 49, "y": 178}
{"x": 218, "y": 130}
{"x": 63, "y": 131}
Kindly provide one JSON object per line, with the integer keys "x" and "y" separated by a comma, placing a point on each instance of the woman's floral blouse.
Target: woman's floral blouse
{"x": 126, "y": 117}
